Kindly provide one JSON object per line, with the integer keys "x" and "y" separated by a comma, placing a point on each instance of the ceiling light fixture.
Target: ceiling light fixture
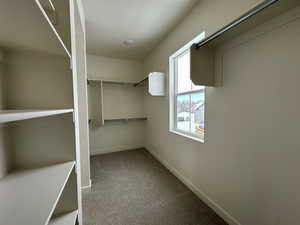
{"x": 128, "y": 42}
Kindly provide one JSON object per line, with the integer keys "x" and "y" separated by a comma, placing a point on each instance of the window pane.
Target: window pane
{"x": 183, "y": 112}
{"x": 184, "y": 83}
{"x": 197, "y": 113}
{"x": 188, "y": 100}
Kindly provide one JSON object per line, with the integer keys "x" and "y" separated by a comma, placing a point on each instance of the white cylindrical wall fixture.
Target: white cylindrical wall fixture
{"x": 156, "y": 84}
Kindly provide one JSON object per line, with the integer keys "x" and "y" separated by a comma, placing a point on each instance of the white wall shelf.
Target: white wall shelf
{"x": 114, "y": 101}
{"x": 66, "y": 219}
{"x": 124, "y": 119}
{"x": 15, "y": 115}
{"x": 111, "y": 82}
{"x": 31, "y": 195}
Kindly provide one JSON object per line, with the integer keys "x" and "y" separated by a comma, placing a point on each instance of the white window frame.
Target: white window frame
{"x": 173, "y": 87}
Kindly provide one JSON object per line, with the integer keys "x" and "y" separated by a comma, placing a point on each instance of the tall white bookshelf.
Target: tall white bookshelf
{"x": 43, "y": 127}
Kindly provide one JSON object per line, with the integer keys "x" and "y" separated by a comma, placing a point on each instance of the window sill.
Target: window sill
{"x": 187, "y": 136}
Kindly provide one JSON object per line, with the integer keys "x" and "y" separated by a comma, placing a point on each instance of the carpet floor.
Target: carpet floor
{"x": 133, "y": 188}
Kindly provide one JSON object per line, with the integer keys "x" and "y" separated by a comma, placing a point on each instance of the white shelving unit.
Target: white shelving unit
{"x": 124, "y": 119}
{"x": 42, "y": 70}
{"x": 115, "y": 101}
{"x": 111, "y": 82}
{"x": 32, "y": 193}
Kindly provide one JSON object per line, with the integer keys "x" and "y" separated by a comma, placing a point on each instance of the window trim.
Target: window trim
{"x": 173, "y": 87}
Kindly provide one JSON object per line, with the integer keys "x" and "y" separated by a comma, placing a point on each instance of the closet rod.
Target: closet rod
{"x": 138, "y": 83}
{"x": 111, "y": 82}
{"x": 236, "y": 22}
{"x": 117, "y": 82}
{"x": 125, "y": 119}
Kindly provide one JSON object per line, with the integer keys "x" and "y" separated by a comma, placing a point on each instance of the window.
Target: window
{"x": 187, "y": 101}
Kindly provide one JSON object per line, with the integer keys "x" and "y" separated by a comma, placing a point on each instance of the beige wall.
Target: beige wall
{"x": 107, "y": 68}
{"x": 45, "y": 79}
{"x": 117, "y": 136}
{"x": 248, "y": 168}
{"x": 4, "y": 141}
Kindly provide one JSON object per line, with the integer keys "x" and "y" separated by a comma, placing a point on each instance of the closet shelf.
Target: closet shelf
{"x": 15, "y": 115}
{"x": 111, "y": 82}
{"x": 124, "y": 119}
{"x": 119, "y": 119}
{"x": 38, "y": 2}
{"x": 30, "y": 196}
{"x": 66, "y": 219}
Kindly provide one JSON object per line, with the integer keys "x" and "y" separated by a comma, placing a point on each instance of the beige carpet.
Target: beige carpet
{"x": 133, "y": 188}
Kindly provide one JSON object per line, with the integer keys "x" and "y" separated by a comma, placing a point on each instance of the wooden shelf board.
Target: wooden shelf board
{"x": 30, "y": 196}
{"x": 66, "y": 219}
{"x": 15, "y": 115}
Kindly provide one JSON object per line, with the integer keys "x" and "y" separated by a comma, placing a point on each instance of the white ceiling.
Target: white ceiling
{"x": 146, "y": 22}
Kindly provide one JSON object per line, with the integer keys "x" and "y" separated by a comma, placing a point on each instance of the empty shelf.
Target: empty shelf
{"x": 30, "y": 196}
{"x": 15, "y": 115}
{"x": 111, "y": 82}
{"x": 125, "y": 119}
{"x": 118, "y": 82}
{"x": 66, "y": 219}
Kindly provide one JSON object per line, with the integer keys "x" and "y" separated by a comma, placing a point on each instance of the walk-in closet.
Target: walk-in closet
{"x": 143, "y": 112}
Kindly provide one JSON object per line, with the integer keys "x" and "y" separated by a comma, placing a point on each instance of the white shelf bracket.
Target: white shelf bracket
{"x": 73, "y": 116}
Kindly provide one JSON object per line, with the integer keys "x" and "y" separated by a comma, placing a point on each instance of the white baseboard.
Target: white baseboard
{"x": 212, "y": 204}
{"x": 117, "y": 148}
